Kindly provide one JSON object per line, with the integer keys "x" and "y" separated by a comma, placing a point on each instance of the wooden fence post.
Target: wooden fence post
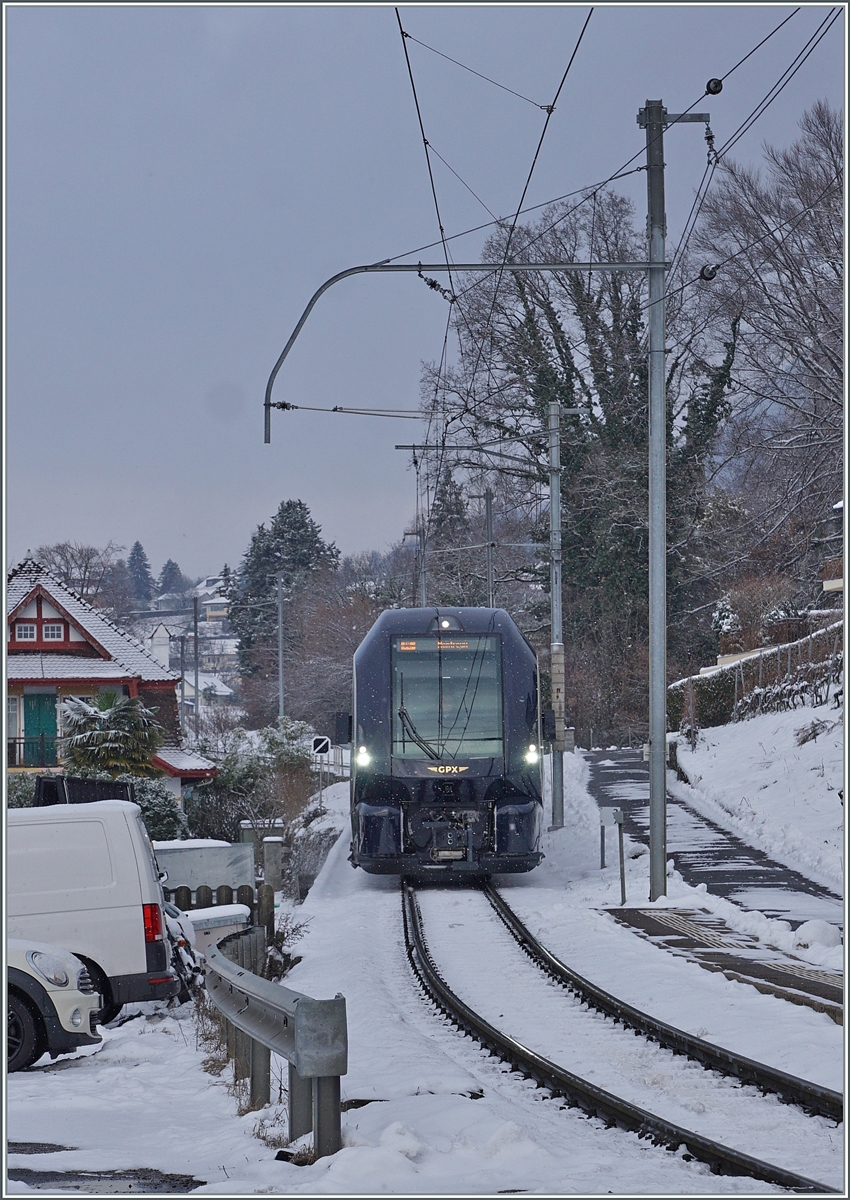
{"x": 203, "y": 897}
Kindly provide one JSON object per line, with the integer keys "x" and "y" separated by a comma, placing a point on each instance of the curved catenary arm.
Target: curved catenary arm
{"x": 419, "y": 268}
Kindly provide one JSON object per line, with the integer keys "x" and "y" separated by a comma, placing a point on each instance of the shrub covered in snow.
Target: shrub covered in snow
{"x": 20, "y": 789}
{"x": 162, "y": 815}
{"x": 265, "y": 777}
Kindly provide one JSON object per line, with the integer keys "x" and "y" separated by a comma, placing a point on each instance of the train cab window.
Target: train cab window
{"x": 447, "y": 697}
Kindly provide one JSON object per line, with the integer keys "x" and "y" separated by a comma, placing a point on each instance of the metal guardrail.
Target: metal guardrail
{"x": 312, "y": 1035}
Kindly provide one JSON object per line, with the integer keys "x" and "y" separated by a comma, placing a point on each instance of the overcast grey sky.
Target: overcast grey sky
{"x": 181, "y": 179}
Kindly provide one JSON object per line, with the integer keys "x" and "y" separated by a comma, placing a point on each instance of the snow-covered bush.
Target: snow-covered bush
{"x": 264, "y": 776}
{"x": 20, "y": 789}
{"x": 724, "y": 619}
{"x": 161, "y": 813}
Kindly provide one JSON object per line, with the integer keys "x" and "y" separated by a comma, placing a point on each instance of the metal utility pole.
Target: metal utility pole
{"x": 182, "y": 683}
{"x": 488, "y": 509}
{"x": 653, "y": 119}
{"x": 557, "y": 651}
{"x": 280, "y": 646}
{"x": 197, "y": 667}
{"x": 423, "y": 589}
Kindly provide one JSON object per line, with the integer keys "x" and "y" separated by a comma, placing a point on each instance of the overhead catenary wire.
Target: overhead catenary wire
{"x": 759, "y": 45}
{"x": 549, "y": 111}
{"x": 460, "y": 179}
{"x": 790, "y": 71}
{"x": 408, "y": 414}
{"x": 796, "y": 219}
{"x": 587, "y": 187}
{"x": 699, "y": 200}
{"x": 486, "y": 78}
{"x": 596, "y": 188}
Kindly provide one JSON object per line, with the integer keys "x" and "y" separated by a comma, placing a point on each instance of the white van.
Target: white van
{"x": 84, "y": 876}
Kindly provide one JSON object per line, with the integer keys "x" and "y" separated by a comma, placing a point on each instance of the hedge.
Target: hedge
{"x": 779, "y": 677}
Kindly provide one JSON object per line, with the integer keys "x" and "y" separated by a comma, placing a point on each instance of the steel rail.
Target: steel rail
{"x": 821, "y": 1101}
{"x": 578, "y": 1092}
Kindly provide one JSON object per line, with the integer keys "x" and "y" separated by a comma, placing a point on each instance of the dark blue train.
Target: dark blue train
{"x": 445, "y": 756}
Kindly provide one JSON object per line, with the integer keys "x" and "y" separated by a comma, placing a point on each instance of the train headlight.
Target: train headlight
{"x": 363, "y": 757}
{"x": 531, "y": 755}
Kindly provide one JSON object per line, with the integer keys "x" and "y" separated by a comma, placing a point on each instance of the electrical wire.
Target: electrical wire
{"x": 618, "y": 174}
{"x": 406, "y": 414}
{"x": 425, "y": 144}
{"x": 502, "y": 220}
{"x": 759, "y": 46}
{"x": 715, "y": 157}
{"x": 549, "y": 111}
{"x": 763, "y": 105}
{"x": 699, "y": 200}
{"x": 796, "y": 219}
{"x": 486, "y": 78}
{"x": 463, "y": 181}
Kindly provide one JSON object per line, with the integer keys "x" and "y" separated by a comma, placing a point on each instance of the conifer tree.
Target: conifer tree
{"x": 170, "y": 578}
{"x": 291, "y": 547}
{"x": 140, "y": 572}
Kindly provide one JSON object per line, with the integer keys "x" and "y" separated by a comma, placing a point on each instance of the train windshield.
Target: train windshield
{"x": 447, "y": 697}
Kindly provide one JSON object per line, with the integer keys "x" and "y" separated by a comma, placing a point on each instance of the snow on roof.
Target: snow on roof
{"x": 208, "y": 682}
{"x": 179, "y": 761}
{"x": 63, "y": 666}
{"x": 122, "y": 648}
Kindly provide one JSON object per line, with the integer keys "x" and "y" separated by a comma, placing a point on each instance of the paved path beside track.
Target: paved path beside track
{"x": 705, "y": 852}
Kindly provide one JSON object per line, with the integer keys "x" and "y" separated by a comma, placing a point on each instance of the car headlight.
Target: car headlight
{"x": 363, "y": 757}
{"x": 76, "y": 1018}
{"x": 49, "y": 967}
{"x": 531, "y": 755}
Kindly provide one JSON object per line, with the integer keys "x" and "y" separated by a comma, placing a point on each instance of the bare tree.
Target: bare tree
{"x": 82, "y": 568}
{"x": 777, "y": 236}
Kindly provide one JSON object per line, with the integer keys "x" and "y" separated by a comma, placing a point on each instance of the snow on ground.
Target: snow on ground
{"x": 563, "y": 904}
{"x": 443, "y": 1117}
{"x": 753, "y": 778}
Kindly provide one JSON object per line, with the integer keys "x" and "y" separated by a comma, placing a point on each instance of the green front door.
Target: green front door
{"x": 40, "y": 730}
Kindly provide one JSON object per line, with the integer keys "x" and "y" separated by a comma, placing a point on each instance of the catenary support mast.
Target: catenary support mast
{"x": 654, "y": 117}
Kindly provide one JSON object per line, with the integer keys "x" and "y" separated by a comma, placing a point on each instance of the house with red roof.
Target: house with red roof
{"x": 59, "y": 646}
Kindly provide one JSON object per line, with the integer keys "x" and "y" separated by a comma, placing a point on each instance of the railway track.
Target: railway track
{"x": 576, "y": 1088}
{"x": 819, "y": 1101}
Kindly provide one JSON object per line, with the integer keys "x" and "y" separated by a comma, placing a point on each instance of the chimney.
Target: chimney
{"x": 160, "y": 643}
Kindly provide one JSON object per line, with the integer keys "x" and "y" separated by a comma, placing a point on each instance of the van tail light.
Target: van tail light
{"x": 153, "y": 922}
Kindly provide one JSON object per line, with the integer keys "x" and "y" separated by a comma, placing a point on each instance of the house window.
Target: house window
{"x": 12, "y": 716}
{"x": 53, "y": 633}
{"x": 24, "y": 631}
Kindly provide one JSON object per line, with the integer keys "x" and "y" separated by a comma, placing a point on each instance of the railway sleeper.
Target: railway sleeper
{"x": 814, "y": 1100}
{"x": 579, "y": 1093}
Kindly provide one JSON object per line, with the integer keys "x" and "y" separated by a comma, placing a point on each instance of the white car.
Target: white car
{"x": 52, "y": 1005}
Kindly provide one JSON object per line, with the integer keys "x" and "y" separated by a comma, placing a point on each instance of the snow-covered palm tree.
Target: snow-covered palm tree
{"x": 113, "y": 733}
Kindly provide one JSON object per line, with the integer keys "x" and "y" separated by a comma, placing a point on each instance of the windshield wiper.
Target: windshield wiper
{"x": 412, "y": 733}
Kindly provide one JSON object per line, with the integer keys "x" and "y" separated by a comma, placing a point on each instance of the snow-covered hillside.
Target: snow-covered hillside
{"x": 786, "y": 798}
